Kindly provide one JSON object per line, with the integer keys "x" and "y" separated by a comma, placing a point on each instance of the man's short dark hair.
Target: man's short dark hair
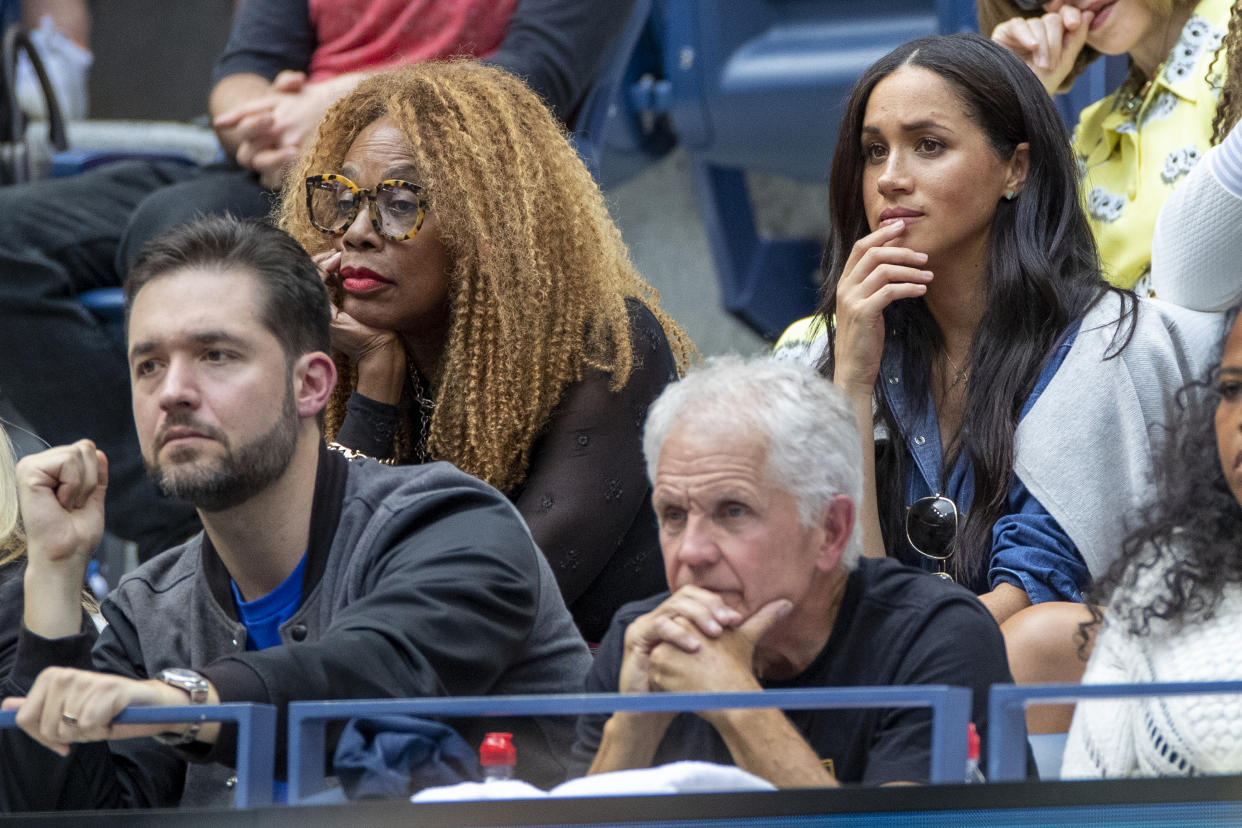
{"x": 295, "y": 302}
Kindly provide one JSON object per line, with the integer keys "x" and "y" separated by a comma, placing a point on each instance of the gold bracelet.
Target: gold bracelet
{"x": 354, "y": 454}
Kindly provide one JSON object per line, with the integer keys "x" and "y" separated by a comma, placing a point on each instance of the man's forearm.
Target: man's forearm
{"x": 765, "y": 743}
{"x": 231, "y": 92}
{"x": 630, "y": 741}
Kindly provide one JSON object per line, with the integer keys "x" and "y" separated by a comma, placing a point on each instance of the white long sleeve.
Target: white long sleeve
{"x": 1196, "y": 255}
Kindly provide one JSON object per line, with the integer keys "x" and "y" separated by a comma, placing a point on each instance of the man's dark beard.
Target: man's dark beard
{"x": 240, "y": 474}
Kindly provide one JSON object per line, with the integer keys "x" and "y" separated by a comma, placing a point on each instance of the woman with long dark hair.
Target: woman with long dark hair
{"x": 1175, "y": 603}
{"x": 1011, "y": 389}
{"x": 959, "y": 268}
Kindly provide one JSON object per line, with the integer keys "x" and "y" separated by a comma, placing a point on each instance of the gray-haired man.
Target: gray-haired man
{"x": 756, "y": 475}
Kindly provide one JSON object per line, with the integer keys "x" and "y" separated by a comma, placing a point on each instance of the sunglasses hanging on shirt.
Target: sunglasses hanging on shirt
{"x": 931, "y": 528}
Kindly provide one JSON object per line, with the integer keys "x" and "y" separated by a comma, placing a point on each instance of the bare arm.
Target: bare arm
{"x": 630, "y": 741}
{"x": 869, "y": 513}
{"x": 1005, "y": 600}
{"x": 61, "y": 492}
{"x": 683, "y": 622}
{"x": 765, "y": 743}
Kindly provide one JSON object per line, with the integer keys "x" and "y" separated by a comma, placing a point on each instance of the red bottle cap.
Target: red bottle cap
{"x": 497, "y": 749}
{"x": 972, "y": 742}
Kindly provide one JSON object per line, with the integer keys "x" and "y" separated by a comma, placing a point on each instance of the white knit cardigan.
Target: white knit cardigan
{"x": 1161, "y": 736}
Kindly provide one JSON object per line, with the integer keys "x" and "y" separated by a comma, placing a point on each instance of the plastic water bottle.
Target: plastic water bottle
{"x": 973, "y": 773}
{"x": 497, "y": 756}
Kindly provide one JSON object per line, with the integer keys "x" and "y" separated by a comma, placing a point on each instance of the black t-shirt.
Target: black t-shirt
{"x": 897, "y": 626}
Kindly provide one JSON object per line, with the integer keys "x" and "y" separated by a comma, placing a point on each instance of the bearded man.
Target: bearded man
{"x": 316, "y": 577}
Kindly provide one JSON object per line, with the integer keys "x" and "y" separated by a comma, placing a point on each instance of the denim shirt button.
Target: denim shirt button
{"x": 894, "y": 379}
{"x": 920, "y": 440}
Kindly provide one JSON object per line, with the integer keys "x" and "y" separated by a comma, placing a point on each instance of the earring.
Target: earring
{"x": 1009, "y": 196}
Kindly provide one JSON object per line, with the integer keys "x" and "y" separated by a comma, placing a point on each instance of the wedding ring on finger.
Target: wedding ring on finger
{"x": 69, "y": 719}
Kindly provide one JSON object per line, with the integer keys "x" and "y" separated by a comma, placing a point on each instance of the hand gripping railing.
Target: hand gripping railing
{"x": 1007, "y": 705}
{"x": 950, "y": 707}
{"x": 256, "y": 740}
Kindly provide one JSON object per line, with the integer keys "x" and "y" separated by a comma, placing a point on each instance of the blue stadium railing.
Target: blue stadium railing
{"x": 1007, "y": 713}
{"x": 950, "y": 707}
{"x": 256, "y": 740}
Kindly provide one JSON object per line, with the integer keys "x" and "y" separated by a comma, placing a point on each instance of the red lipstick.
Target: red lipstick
{"x": 360, "y": 280}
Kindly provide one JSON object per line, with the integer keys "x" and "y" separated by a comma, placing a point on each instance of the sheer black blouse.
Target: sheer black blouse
{"x": 586, "y": 496}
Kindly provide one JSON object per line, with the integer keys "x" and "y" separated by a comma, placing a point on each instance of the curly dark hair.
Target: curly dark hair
{"x": 1188, "y": 537}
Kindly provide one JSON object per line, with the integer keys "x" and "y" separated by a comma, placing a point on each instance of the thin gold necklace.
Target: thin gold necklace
{"x": 959, "y": 374}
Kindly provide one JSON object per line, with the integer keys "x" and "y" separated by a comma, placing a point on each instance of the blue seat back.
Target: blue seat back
{"x": 762, "y": 85}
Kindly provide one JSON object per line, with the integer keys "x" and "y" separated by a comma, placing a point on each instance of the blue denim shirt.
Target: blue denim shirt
{"x": 1030, "y": 550}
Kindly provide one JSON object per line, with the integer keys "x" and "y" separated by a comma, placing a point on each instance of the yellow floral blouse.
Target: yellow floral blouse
{"x": 1132, "y": 151}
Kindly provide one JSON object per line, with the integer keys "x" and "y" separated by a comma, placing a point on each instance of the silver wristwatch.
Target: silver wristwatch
{"x": 196, "y": 687}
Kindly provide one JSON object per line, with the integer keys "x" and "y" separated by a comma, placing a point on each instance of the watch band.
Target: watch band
{"x": 196, "y": 687}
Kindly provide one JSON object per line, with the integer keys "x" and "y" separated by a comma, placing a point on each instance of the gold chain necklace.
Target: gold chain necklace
{"x": 1132, "y": 104}
{"x": 1135, "y": 101}
{"x": 425, "y": 408}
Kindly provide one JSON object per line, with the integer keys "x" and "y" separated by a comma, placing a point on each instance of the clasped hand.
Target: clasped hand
{"x": 694, "y": 643}
{"x": 272, "y": 129}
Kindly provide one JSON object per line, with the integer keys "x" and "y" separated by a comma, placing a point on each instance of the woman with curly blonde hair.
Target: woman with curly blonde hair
{"x": 1137, "y": 143}
{"x": 487, "y": 313}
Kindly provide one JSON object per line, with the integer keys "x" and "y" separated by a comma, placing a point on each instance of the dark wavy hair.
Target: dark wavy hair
{"x": 1043, "y": 275}
{"x": 1229, "y": 107}
{"x": 1190, "y": 535}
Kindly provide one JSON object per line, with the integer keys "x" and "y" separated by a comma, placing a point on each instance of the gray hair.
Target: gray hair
{"x": 813, "y": 448}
